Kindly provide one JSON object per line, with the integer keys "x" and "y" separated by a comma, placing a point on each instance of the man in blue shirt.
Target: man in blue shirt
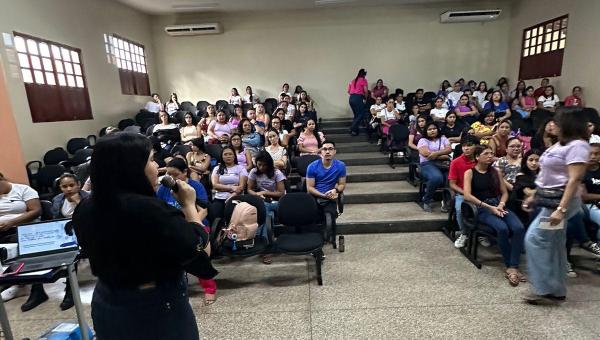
{"x": 326, "y": 179}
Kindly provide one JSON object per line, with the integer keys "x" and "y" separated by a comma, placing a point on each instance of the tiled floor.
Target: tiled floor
{"x": 394, "y": 286}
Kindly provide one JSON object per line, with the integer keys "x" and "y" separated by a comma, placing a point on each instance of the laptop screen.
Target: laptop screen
{"x": 44, "y": 237}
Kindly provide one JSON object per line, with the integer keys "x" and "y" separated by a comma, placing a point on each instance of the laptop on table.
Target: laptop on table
{"x": 44, "y": 245}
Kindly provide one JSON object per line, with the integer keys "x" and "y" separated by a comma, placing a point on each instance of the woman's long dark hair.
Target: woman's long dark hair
{"x": 265, "y": 157}
{"x": 184, "y": 124}
{"x": 427, "y": 118}
{"x": 524, "y": 168}
{"x": 571, "y": 124}
{"x": 179, "y": 164}
{"x": 118, "y": 167}
{"x": 361, "y": 74}
{"x": 315, "y": 131}
{"x": 251, "y": 93}
{"x": 199, "y": 143}
{"x": 495, "y": 185}
{"x": 426, "y": 135}
{"x": 222, "y": 167}
{"x": 240, "y": 127}
{"x": 231, "y": 144}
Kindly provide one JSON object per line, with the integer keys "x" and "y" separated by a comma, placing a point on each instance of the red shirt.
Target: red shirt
{"x": 539, "y": 92}
{"x": 458, "y": 167}
{"x": 573, "y": 101}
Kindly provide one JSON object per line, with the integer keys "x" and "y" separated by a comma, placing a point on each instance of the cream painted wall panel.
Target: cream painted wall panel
{"x": 582, "y": 48}
{"x": 323, "y": 50}
{"x": 79, "y": 23}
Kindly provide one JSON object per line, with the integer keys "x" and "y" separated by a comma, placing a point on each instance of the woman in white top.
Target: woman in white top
{"x": 377, "y": 107}
{"x": 549, "y": 101}
{"x": 283, "y": 133}
{"x": 438, "y": 113}
{"x": 188, "y": 129}
{"x": 172, "y": 105}
{"x": 389, "y": 115}
{"x": 250, "y": 97}
{"x": 481, "y": 93}
{"x": 285, "y": 90}
{"x": 277, "y": 152}
{"x": 164, "y": 124}
{"x": 235, "y": 98}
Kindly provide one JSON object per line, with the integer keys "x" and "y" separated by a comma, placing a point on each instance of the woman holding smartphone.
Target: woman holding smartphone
{"x": 141, "y": 291}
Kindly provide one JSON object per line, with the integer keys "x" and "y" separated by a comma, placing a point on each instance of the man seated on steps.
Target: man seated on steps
{"x": 456, "y": 176}
{"x": 326, "y": 179}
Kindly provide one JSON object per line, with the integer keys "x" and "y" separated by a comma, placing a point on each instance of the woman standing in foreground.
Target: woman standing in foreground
{"x": 562, "y": 165}
{"x": 139, "y": 246}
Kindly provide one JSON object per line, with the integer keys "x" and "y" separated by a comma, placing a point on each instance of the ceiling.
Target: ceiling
{"x": 181, "y": 6}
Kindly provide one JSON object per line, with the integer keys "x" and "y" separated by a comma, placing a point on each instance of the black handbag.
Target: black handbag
{"x": 548, "y": 197}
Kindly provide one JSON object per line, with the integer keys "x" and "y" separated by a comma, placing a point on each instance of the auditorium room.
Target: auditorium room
{"x": 299, "y": 169}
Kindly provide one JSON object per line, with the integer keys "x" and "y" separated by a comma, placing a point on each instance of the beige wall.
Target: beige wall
{"x": 322, "y": 50}
{"x": 78, "y": 23}
{"x": 580, "y": 66}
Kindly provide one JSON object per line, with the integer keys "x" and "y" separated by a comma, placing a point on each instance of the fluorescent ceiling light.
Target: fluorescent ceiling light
{"x": 208, "y": 5}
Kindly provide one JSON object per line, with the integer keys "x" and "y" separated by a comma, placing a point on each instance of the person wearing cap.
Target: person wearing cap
{"x": 456, "y": 176}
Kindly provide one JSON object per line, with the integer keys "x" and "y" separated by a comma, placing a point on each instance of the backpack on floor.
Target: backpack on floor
{"x": 242, "y": 227}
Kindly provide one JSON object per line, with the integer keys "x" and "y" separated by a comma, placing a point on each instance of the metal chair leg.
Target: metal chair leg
{"x": 319, "y": 262}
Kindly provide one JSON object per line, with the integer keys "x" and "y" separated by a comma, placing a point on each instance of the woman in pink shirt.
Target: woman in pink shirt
{"x": 379, "y": 90}
{"x": 310, "y": 140}
{"x": 358, "y": 89}
{"x": 527, "y": 102}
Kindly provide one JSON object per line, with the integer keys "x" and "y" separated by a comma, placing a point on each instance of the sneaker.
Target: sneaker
{"x": 570, "y": 272}
{"x": 379, "y": 141}
{"x": 484, "y": 241}
{"x": 461, "y": 241}
{"x": 400, "y": 154}
{"x": 427, "y": 207}
{"x": 444, "y": 208}
{"x": 14, "y": 292}
{"x": 541, "y": 300}
{"x": 592, "y": 248}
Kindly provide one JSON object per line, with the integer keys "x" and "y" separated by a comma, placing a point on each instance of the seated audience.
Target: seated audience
{"x": 188, "y": 129}
{"x": 310, "y": 139}
{"x": 302, "y": 115}
{"x": 199, "y": 161}
{"x": 388, "y": 116}
{"x": 284, "y": 105}
{"x": 509, "y": 165}
{"x": 517, "y": 93}
{"x": 154, "y": 105}
{"x": 525, "y": 184}
{"x": 285, "y": 123}
{"x": 549, "y": 100}
{"x": 236, "y": 118}
{"x": 235, "y": 98}
{"x": 278, "y": 153}
{"x": 438, "y": 113}
{"x": 326, "y": 180}
{"x": 540, "y": 90}
{"x": 575, "y": 99}
{"x": 219, "y": 130}
{"x": 445, "y": 88}
{"x": 250, "y": 97}
{"x": 452, "y": 128}
{"x": 546, "y": 136}
{"x": 258, "y": 126}
{"x": 416, "y": 133}
{"x": 527, "y": 103}
{"x": 411, "y": 118}
{"x": 209, "y": 116}
{"x": 305, "y": 98}
{"x": 244, "y": 157}
{"x": 485, "y": 127}
{"x": 166, "y": 132}
{"x": 455, "y": 94}
{"x": 296, "y": 95}
{"x": 266, "y": 182}
{"x": 504, "y": 89}
{"x": 291, "y": 109}
{"x": 251, "y": 140}
{"x": 466, "y": 111}
{"x": 280, "y": 130}
{"x": 498, "y": 141}
{"x": 419, "y": 100}
{"x": 456, "y": 174}
{"x": 285, "y": 90}
{"x": 19, "y": 204}
{"x": 172, "y": 105}
{"x": 433, "y": 154}
{"x": 591, "y": 186}
{"x": 499, "y": 106}
{"x": 377, "y": 106}
{"x": 400, "y": 105}
{"x": 481, "y": 92}
{"x": 484, "y": 188}
{"x": 379, "y": 90}
{"x": 228, "y": 179}
{"x": 165, "y": 123}
{"x": 262, "y": 117}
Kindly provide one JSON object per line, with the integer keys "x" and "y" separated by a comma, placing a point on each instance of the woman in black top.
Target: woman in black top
{"x": 484, "y": 188}
{"x": 139, "y": 246}
{"x": 525, "y": 184}
{"x": 452, "y": 128}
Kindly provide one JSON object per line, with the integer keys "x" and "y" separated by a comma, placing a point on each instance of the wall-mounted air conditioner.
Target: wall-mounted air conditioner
{"x": 470, "y": 16}
{"x": 193, "y": 29}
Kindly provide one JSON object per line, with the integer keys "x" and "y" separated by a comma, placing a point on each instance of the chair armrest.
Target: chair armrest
{"x": 469, "y": 212}
{"x": 341, "y": 203}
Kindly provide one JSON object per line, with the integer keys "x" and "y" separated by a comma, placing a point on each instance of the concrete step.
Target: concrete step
{"x": 355, "y": 147}
{"x": 363, "y": 158}
{"x": 389, "y": 218}
{"x": 339, "y": 138}
{"x": 375, "y": 173}
{"x": 340, "y": 130}
{"x": 325, "y": 124}
{"x": 380, "y": 192}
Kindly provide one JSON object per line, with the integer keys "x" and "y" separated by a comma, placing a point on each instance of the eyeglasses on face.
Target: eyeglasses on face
{"x": 328, "y": 149}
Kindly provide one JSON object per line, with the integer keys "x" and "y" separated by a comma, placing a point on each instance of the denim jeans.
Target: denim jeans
{"x": 358, "y": 109}
{"x": 434, "y": 178}
{"x": 594, "y": 216}
{"x": 576, "y": 228}
{"x": 511, "y": 247}
{"x": 162, "y": 312}
{"x": 271, "y": 208}
{"x": 458, "y": 200}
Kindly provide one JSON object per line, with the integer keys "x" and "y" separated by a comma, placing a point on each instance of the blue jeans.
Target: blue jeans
{"x": 434, "y": 178}
{"x": 510, "y": 247}
{"x": 271, "y": 208}
{"x": 576, "y": 228}
{"x": 594, "y": 216}
{"x": 358, "y": 109}
{"x": 458, "y": 200}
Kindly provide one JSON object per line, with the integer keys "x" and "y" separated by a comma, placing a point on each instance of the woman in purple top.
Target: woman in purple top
{"x": 358, "y": 89}
{"x": 562, "y": 165}
{"x": 433, "y": 149}
{"x": 243, "y": 155}
{"x": 228, "y": 179}
{"x": 219, "y": 130}
{"x": 466, "y": 111}
{"x": 415, "y": 135}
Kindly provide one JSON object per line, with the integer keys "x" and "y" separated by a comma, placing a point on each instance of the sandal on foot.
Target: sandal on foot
{"x": 267, "y": 259}
{"x": 513, "y": 278}
{"x": 209, "y": 301}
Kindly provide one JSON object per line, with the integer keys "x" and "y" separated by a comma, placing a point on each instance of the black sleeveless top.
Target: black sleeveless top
{"x": 483, "y": 185}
